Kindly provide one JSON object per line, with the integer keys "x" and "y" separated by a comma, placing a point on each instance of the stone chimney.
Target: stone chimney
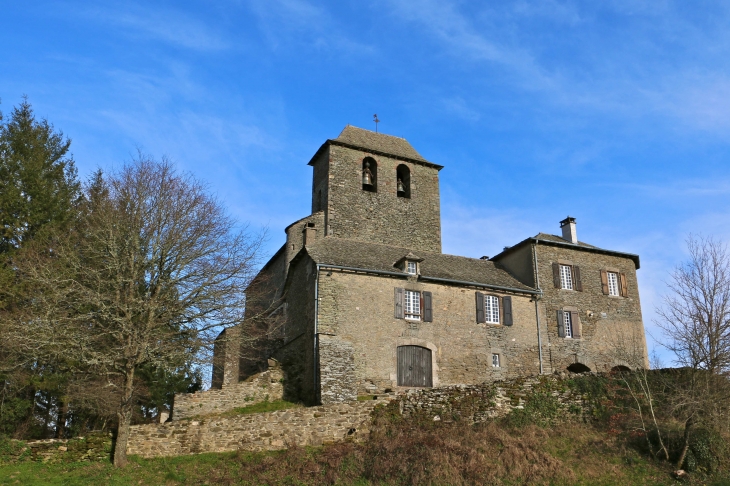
{"x": 310, "y": 234}
{"x": 568, "y": 227}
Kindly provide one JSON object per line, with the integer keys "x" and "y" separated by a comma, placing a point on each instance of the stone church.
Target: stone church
{"x": 367, "y": 303}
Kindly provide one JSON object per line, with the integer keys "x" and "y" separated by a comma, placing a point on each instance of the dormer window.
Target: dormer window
{"x": 412, "y": 268}
{"x": 369, "y": 175}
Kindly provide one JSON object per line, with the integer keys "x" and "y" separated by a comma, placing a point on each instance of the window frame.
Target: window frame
{"x": 412, "y": 316}
{"x": 566, "y": 277}
{"x": 408, "y": 267}
{"x": 496, "y": 361}
{"x": 493, "y": 299}
{"x": 568, "y": 324}
{"x": 615, "y": 289}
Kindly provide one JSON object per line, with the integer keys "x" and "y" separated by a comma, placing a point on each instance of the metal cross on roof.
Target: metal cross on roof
{"x": 375, "y": 119}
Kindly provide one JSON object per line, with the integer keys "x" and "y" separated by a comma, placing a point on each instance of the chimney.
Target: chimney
{"x": 310, "y": 234}
{"x": 568, "y": 227}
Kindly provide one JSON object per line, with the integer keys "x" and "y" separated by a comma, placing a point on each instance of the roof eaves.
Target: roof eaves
{"x": 373, "y": 151}
{"x": 573, "y": 246}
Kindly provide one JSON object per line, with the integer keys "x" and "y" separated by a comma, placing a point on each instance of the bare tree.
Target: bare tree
{"x": 695, "y": 316}
{"x": 695, "y": 319}
{"x": 152, "y": 272}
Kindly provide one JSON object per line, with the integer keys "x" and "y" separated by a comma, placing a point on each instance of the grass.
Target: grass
{"x": 399, "y": 451}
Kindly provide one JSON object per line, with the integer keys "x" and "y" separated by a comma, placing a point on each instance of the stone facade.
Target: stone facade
{"x": 264, "y": 386}
{"x": 335, "y": 281}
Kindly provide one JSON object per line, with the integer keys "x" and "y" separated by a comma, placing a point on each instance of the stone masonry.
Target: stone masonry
{"x": 264, "y": 386}
{"x": 311, "y": 426}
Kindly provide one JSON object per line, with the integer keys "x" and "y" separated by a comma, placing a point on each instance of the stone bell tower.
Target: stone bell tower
{"x": 376, "y": 188}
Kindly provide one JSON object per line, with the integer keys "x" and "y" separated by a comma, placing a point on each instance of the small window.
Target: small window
{"x": 412, "y": 268}
{"x": 369, "y": 175}
{"x": 495, "y": 361}
{"x": 566, "y": 277}
{"x": 612, "y": 283}
{"x": 413, "y": 305}
{"x": 491, "y": 309}
{"x": 403, "y": 181}
{"x": 568, "y": 321}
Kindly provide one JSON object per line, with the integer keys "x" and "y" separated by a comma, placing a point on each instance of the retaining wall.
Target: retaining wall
{"x": 263, "y": 386}
{"x": 309, "y": 426}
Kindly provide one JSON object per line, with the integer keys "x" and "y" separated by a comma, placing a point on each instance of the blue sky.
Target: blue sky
{"x": 614, "y": 112}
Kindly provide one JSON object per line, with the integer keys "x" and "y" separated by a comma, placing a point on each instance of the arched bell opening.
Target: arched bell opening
{"x": 578, "y": 368}
{"x": 369, "y": 175}
{"x": 403, "y": 181}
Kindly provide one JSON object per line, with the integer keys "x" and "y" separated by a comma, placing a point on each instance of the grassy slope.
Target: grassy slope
{"x": 397, "y": 454}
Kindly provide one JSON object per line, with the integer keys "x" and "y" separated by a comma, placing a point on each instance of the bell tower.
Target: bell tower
{"x": 376, "y": 188}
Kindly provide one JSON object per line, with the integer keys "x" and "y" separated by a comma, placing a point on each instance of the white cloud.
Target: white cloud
{"x": 167, "y": 25}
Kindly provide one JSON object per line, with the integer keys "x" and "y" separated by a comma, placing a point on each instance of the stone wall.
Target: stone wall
{"x": 612, "y": 329}
{"x": 337, "y": 370}
{"x": 358, "y": 309}
{"x": 380, "y": 216}
{"x": 255, "y": 432}
{"x": 258, "y": 388}
{"x": 477, "y": 403}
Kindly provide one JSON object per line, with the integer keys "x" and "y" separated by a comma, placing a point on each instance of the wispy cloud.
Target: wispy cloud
{"x": 167, "y": 25}
{"x": 302, "y": 23}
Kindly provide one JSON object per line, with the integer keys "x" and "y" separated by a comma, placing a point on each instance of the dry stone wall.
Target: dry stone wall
{"x": 311, "y": 426}
{"x": 477, "y": 403}
{"x": 264, "y": 386}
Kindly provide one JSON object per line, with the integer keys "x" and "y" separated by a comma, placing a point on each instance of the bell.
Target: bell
{"x": 401, "y": 187}
{"x": 367, "y": 176}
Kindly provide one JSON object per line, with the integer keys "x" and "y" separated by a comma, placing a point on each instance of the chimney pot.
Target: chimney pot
{"x": 569, "y": 232}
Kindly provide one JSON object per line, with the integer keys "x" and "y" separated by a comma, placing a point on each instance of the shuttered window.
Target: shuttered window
{"x": 613, "y": 283}
{"x": 413, "y": 305}
{"x": 567, "y": 276}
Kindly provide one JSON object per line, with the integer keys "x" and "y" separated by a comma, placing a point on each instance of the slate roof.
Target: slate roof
{"x": 379, "y": 143}
{"x": 557, "y": 240}
{"x": 377, "y": 257}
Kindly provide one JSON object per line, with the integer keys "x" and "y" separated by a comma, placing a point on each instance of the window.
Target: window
{"x": 491, "y": 309}
{"x": 566, "y": 277}
{"x": 568, "y": 322}
{"x": 413, "y": 305}
{"x": 612, "y": 283}
{"x": 412, "y": 268}
{"x": 569, "y": 325}
{"x": 495, "y": 361}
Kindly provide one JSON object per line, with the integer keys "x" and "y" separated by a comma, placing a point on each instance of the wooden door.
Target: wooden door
{"x": 414, "y": 366}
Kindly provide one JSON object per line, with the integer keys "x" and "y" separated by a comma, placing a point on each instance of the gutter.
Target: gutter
{"x": 434, "y": 279}
{"x": 315, "y": 360}
{"x": 537, "y": 307}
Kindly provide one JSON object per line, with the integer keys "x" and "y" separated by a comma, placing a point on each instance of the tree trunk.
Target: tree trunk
{"x": 61, "y": 419}
{"x": 687, "y": 427}
{"x": 124, "y": 416}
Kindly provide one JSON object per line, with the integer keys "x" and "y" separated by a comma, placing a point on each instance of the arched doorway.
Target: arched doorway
{"x": 414, "y": 366}
{"x": 578, "y": 368}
